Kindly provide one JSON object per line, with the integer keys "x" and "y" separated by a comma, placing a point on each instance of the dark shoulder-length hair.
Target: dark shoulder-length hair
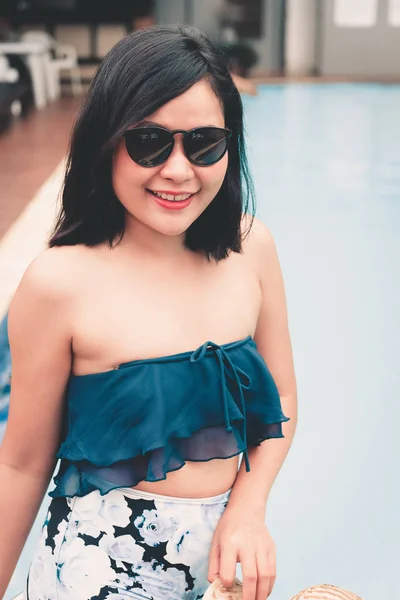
{"x": 141, "y": 73}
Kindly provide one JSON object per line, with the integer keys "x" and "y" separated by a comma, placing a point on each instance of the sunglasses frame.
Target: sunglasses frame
{"x": 173, "y": 133}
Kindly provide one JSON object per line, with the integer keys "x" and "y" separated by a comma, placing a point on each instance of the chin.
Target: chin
{"x": 172, "y": 230}
{"x": 171, "y": 227}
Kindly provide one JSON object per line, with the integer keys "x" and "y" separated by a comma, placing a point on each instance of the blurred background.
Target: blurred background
{"x": 320, "y": 83}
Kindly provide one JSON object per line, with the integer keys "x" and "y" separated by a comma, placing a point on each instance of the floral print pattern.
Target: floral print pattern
{"x": 124, "y": 545}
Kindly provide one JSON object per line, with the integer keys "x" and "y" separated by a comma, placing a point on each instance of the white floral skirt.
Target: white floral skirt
{"x": 124, "y": 545}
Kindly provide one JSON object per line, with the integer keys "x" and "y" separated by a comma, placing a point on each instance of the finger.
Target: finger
{"x": 213, "y": 562}
{"x": 250, "y": 575}
{"x": 271, "y": 584}
{"x": 227, "y": 566}
{"x": 272, "y": 571}
{"x": 265, "y": 570}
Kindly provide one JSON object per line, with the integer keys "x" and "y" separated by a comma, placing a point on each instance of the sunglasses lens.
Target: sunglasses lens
{"x": 148, "y": 146}
{"x": 206, "y": 145}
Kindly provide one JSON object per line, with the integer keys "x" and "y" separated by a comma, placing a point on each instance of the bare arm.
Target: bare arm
{"x": 39, "y": 326}
{"x": 241, "y": 534}
{"x": 273, "y": 342}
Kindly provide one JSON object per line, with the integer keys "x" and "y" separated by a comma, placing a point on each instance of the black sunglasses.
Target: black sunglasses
{"x": 151, "y": 146}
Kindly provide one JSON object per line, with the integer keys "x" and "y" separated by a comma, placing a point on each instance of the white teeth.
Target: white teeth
{"x": 172, "y": 198}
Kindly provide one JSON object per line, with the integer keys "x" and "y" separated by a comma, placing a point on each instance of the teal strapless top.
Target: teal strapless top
{"x": 148, "y": 417}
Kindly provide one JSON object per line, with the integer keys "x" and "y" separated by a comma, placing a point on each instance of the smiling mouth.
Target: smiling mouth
{"x": 172, "y": 197}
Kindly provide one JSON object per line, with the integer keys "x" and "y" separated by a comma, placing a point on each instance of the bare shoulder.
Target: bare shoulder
{"x": 55, "y": 271}
{"x": 51, "y": 279}
{"x": 258, "y": 243}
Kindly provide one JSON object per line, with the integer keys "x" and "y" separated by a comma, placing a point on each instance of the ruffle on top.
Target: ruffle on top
{"x": 148, "y": 417}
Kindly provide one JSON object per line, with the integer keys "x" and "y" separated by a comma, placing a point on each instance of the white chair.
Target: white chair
{"x": 19, "y": 597}
{"x": 66, "y": 58}
{"x": 7, "y": 74}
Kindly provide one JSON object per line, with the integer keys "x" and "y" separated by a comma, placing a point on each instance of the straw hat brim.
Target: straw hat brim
{"x": 325, "y": 591}
{"x": 216, "y": 591}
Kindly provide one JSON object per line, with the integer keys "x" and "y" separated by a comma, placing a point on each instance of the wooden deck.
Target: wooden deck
{"x": 29, "y": 152}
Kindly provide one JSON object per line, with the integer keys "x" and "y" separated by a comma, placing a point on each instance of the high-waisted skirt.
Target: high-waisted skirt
{"x": 124, "y": 545}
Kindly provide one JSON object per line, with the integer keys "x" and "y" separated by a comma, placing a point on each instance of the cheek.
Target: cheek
{"x": 126, "y": 174}
{"x": 213, "y": 177}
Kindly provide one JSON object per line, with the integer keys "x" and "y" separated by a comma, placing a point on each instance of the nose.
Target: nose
{"x": 177, "y": 168}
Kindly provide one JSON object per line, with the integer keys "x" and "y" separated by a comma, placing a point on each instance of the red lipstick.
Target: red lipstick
{"x": 171, "y": 204}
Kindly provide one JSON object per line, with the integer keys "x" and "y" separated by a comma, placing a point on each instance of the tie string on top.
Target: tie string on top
{"x": 241, "y": 378}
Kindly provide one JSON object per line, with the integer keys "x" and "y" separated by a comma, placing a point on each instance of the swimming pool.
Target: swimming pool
{"x": 326, "y": 163}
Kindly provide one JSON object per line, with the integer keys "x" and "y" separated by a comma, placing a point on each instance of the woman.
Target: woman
{"x": 140, "y": 342}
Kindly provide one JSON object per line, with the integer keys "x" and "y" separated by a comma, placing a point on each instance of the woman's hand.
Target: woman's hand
{"x": 244, "y": 538}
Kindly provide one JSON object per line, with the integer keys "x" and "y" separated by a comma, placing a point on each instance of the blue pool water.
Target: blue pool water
{"x": 326, "y": 162}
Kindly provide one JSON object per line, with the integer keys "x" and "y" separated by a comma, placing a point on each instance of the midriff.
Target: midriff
{"x": 196, "y": 479}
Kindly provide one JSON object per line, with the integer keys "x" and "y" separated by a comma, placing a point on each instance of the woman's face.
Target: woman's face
{"x": 133, "y": 184}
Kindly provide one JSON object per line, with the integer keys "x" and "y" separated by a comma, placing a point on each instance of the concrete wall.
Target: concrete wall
{"x": 270, "y": 47}
{"x": 170, "y": 12}
{"x": 300, "y": 37}
{"x": 203, "y": 14}
{"x": 372, "y": 51}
